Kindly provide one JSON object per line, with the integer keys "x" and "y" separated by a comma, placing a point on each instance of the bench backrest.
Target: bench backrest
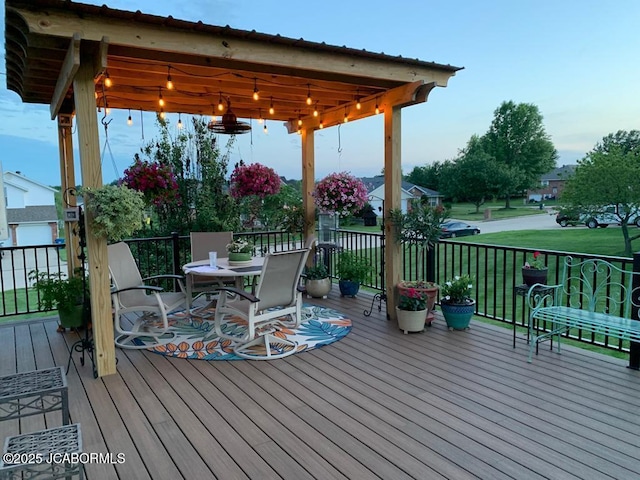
{"x": 598, "y": 286}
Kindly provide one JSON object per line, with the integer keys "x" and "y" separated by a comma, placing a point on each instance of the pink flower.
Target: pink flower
{"x": 340, "y": 193}
{"x": 254, "y": 179}
{"x": 156, "y": 182}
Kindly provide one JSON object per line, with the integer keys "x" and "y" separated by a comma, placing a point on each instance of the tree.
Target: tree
{"x": 606, "y": 178}
{"x": 201, "y": 170}
{"x": 473, "y": 177}
{"x": 427, "y": 176}
{"x": 518, "y": 142}
{"x": 626, "y": 141}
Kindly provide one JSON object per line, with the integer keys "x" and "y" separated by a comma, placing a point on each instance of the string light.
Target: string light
{"x": 299, "y": 121}
{"x": 321, "y": 124}
{"x": 271, "y": 109}
{"x": 180, "y": 121}
{"x": 309, "y": 101}
{"x": 162, "y": 113}
{"x": 107, "y": 80}
{"x": 299, "y": 130}
{"x": 129, "y": 119}
{"x": 315, "y": 110}
{"x": 169, "y": 81}
{"x": 346, "y": 118}
{"x": 160, "y": 99}
{"x": 107, "y": 109}
{"x": 264, "y": 129}
{"x": 256, "y": 96}
{"x": 220, "y": 104}
{"x": 377, "y": 109}
{"x": 358, "y": 105}
{"x": 260, "y": 119}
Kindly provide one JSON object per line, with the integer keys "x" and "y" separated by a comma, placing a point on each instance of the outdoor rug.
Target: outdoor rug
{"x": 196, "y": 337}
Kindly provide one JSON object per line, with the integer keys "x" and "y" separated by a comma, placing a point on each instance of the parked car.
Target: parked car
{"x": 610, "y": 216}
{"x": 458, "y": 229}
{"x": 568, "y": 216}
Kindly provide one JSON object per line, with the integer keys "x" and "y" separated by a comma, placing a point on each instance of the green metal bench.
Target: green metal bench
{"x": 594, "y": 296}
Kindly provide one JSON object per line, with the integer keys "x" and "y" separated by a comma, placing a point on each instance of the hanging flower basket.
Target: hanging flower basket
{"x": 155, "y": 181}
{"x": 340, "y": 194}
{"x": 254, "y": 179}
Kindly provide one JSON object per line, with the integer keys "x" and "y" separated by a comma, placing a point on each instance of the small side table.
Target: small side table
{"x": 35, "y": 392}
{"x": 52, "y": 453}
{"x": 523, "y": 290}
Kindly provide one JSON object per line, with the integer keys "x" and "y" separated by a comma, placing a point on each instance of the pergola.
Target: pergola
{"x": 79, "y": 58}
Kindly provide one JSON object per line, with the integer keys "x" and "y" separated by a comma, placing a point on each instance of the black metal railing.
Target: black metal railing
{"x": 496, "y": 270}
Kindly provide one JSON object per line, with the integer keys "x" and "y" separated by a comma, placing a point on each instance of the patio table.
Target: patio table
{"x": 223, "y": 271}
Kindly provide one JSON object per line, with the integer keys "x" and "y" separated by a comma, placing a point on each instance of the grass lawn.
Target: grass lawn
{"x": 598, "y": 241}
{"x": 467, "y": 211}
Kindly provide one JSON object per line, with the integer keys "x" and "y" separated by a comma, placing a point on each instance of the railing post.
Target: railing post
{"x": 175, "y": 246}
{"x": 634, "y": 348}
{"x": 431, "y": 264}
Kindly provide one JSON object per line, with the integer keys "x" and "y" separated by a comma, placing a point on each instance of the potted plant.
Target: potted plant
{"x": 428, "y": 289}
{"x": 411, "y": 310}
{"x": 115, "y": 212}
{"x": 66, "y": 294}
{"x": 352, "y": 270}
{"x": 240, "y": 251}
{"x": 317, "y": 281}
{"x": 420, "y": 226}
{"x": 534, "y": 271}
{"x": 456, "y": 303}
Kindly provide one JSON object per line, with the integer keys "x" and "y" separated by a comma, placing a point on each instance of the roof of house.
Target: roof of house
{"x": 560, "y": 173}
{"x": 374, "y": 182}
{"x": 36, "y": 213}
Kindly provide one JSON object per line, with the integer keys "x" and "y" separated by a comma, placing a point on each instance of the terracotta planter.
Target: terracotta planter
{"x": 457, "y": 315}
{"x": 432, "y": 295}
{"x": 531, "y": 276}
{"x": 410, "y": 320}
{"x": 319, "y": 288}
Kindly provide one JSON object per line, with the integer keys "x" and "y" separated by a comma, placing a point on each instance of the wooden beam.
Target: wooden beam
{"x": 66, "y": 75}
{"x": 392, "y": 197}
{"x": 88, "y": 145}
{"x": 67, "y": 182}
{"x": 100, "y": 59}
{"x": 255, "y": 51}
{"x": 308, "y": 185}
{"x": 409, "y": 94}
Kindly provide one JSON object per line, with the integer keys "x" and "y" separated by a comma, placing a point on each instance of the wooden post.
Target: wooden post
{"x": 88, "y": 144}
{"x": 392, "y": 186}
{"x": 68, "y": 181}
{"x": 308, "y": 185}
{"x": 634, "y": 348}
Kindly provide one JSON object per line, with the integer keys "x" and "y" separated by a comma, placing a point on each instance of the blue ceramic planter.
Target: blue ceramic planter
{"x": 457, "y": 316}
{"x": 348, "y": 288}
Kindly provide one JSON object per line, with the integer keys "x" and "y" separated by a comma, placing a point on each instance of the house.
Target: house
{"x": 30, "y": 211}
{"x": 408, "y": 193}
{"x": 551, "y": 184}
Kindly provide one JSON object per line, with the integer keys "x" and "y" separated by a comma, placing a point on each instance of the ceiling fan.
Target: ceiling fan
{"x": 229, "y": 123}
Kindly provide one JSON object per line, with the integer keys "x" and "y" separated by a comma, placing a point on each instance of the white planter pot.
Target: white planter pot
{"x": 318, "y": 288}
{"x": 410, "y": 320}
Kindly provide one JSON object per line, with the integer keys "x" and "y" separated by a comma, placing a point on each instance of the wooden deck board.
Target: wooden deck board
{"x": 377, "y": 404}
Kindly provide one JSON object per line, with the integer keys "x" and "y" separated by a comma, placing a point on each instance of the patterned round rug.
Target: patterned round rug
{"x": 196, "y": 338}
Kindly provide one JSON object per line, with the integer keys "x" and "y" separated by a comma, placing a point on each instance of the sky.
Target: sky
{"x": 576, "y": 60}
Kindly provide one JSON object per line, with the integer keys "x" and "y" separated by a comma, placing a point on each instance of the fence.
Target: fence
{"x": 496, "y": 270}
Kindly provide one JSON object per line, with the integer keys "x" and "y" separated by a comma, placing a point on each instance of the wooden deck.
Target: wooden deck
{"x": 377, "y": 404}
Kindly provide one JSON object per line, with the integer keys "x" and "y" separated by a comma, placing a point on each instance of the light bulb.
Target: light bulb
{"x": 264, "y": 129}
{"x": 160, "y": 100}
{"x": 179, "y": 121}
{"x": 255, "y": 94}
{"x": 107, "y": 111}
{"x": 377, "y": 109}
{"x": 346, "y": 119}
{"x": 169, "y": 83}
{"x": 309, "y": 95}
{"x": 129, "y": 120}
{"x": 107, "y": 80}
{"x": 309, "y": 100}
{"x": 220, "y": 106}
{"x": 299, "y": 121}
{"x": 299, "y": 131}
{"x": 271, "y": 109}
{"x": 162, "y": 113}
{"x": 321, "y": 124}
{"x": 358, "y": 106}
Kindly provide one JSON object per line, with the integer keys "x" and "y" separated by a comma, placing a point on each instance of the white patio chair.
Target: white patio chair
{"x": 277, "y": 295}
{"x": 130, "y": 294}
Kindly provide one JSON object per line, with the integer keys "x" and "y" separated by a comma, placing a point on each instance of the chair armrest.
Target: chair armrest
{"x": 539, "y": 293}
{"x": 139, "y": 287}
{"x": 168, "y": 275}
{"x": 301, "y": 288}
{"x": 249, "y": 296}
